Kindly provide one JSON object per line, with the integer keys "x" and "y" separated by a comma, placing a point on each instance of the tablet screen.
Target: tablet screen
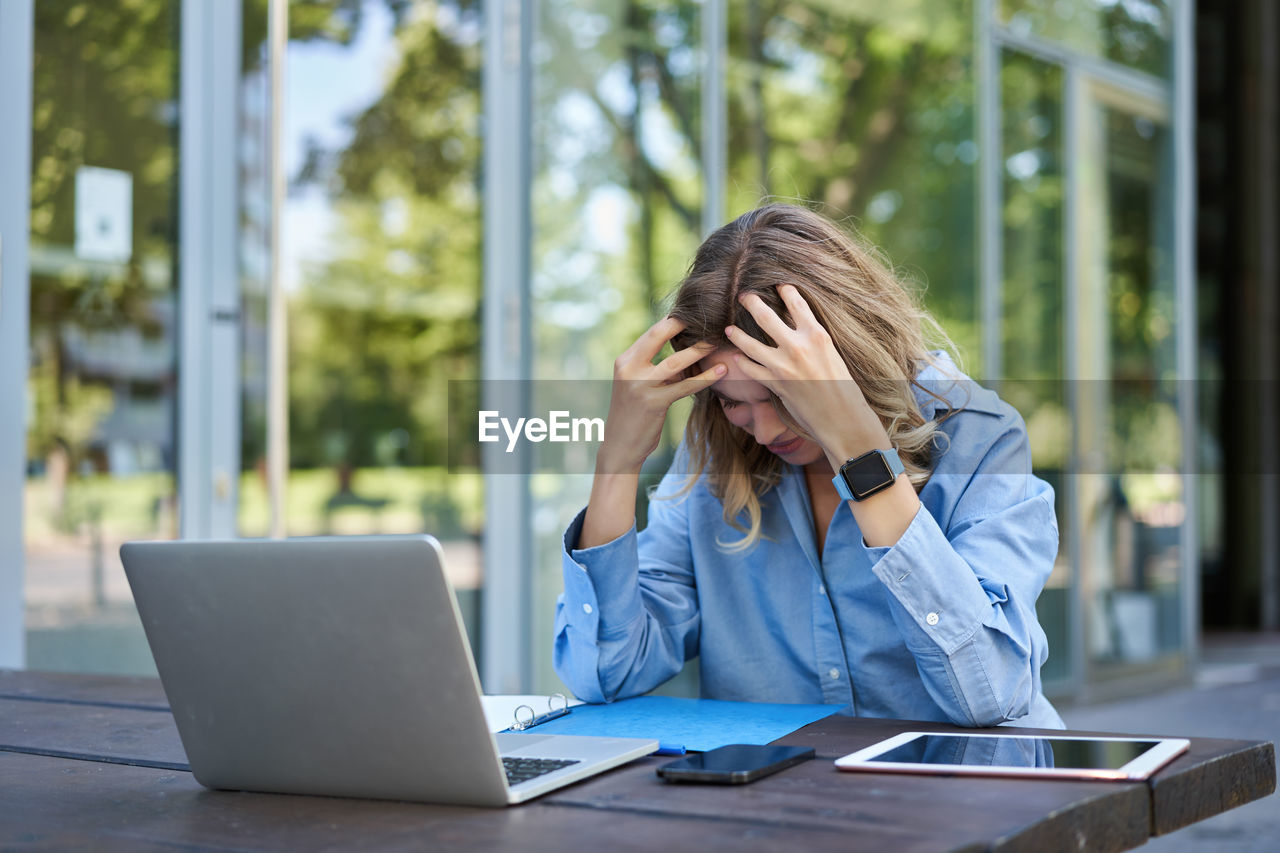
{"x": 1016, "y": 752}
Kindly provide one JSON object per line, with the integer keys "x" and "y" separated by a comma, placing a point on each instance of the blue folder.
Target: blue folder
{"x": 695, "y": 724}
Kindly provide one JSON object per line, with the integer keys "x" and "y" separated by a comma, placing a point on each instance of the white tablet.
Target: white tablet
{"x": 1060, "y": 756}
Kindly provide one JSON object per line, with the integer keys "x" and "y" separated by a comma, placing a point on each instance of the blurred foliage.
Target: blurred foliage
{"x": 1032, "y": 300}
{"x": 1144, "y": 433}
{"x": 1032, "y": 151}
{"x": 331, "y": 21}
{"x": 445, "y": 504}
{"x": 104, "y": 94}
{"x": 392, "y": 311}
{"x": 860, "y": 108}
{"x": 866, "y": 110}
{"x": 1133, "y": 32}
{"x": 617, "y": 175}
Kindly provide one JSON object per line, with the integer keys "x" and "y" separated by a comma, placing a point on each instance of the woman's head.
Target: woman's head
{"x": 873, "y": 321}
{"x": 874, "y": 324}
{"x": 748, "y": 405}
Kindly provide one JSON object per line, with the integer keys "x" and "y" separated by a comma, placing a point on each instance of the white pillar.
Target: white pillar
{"x": 209, "y": 275}
{"x": 505, "y": 656}
{"x": 16, "y": 34}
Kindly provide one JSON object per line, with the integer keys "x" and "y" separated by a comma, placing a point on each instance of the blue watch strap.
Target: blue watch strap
{"x": 891, "y": 461}
{"x": 842, "y": 487}
{"x": 895, "y": 463}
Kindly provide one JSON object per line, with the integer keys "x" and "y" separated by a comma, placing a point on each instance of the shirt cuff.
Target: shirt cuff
{"x": 600, "y": 573}
{"x": 934, "y": 585}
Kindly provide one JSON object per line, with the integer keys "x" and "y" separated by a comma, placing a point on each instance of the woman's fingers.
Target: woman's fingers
{"x": 694, "y": 384}
{"x": 649, "y": 344}
{"x": 765, "y": 316}
{"x": 761, "y": 352}
{"x": 800, "y": 311}
{"x": 753, "y": 369}
{"x": 680, "y": 360}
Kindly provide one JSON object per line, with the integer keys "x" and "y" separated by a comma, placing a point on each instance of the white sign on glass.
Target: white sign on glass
{"x": 104, "y": 214}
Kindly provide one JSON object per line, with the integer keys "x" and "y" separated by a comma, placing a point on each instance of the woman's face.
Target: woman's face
{"x": 748, "y": 406}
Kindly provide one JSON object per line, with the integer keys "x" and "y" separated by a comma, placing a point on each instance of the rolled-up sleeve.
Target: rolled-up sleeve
{"x": 964, "y": 599}
{"x": 627, "y": 623}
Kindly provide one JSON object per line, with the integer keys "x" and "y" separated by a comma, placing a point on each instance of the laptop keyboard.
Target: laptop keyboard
{"x": 523, "y": 769}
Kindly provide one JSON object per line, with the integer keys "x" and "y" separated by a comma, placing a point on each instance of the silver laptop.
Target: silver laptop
{"x": 336, "y": 666}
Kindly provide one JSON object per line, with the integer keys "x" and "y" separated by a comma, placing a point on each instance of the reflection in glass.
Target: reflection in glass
{"x": 617, "y": 208}
{"x": 255, "y": 265}
{"x": 1131, "y": 489}
{"x": 980, "y": 751}
{"x": 972, "y": 751}
{"x": 867, "y": 110}
{"x": 102, "y": 380}
{"x": 1032, "y": 302}
{"x": 1133, "y": 32}
{"x": 381, "y": 262}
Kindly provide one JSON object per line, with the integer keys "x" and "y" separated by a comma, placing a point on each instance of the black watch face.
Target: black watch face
{"x": 866, "y": 475}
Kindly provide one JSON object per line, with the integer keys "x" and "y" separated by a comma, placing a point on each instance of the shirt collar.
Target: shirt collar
{"x": 941, "y": 386}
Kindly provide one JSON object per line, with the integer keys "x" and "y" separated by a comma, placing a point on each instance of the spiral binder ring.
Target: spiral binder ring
{"x": 532, "y": 718}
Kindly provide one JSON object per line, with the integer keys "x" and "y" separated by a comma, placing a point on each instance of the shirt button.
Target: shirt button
{"x": 932, "y": 618}
{"x": 586, "y": 608}
{"x": 822, "y": 590}
{"x": 834, "y": 673}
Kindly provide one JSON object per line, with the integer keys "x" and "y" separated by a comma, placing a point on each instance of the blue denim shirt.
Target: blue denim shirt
{"x": 941, "y": 626}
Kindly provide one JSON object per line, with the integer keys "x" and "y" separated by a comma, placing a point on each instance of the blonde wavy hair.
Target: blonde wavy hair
{"x": 875, "y": 322}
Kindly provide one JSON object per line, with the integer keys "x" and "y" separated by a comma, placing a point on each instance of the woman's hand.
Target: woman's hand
{"x": 808, "y": 375}
{"x": 644, "y": 391}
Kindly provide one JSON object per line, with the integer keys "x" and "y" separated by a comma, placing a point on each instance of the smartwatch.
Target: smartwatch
{"x": 875, "y": 471}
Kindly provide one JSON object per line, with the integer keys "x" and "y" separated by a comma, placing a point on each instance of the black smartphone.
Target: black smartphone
{"x": 735, "y": 764}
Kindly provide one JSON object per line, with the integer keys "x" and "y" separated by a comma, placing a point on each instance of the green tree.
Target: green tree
{"x": 865, "y": 109}
{"x": 103, "y": 95}
{"x": 392, "y": 313}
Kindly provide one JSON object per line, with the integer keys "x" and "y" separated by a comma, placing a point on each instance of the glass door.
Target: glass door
{"x": 616, "y": 196}
{"x": 1032, "y": 350}
{"x": 380, "y": 262}
{"x": 102, "y": 372}
{"x": 1129, "y": 496}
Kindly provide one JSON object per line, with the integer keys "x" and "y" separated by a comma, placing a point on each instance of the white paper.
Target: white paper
{"x": 500, "y": 711}
{"x": 104, "y": 214}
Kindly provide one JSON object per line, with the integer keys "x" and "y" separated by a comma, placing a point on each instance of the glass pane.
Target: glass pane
{"x": 616, "y": 218}
{"x": 1032, "y": 304}
{"x": 1131, "y": 491}
{"x": 866, "y": 109}
{"x": 255, "y": 259}
{"x": 1132, "y": 32}
{"x": 103, "y": 380}
{"x": 381, "y": 263}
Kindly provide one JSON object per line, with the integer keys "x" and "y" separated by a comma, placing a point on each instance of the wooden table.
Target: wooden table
{"x": 95, "y": 762}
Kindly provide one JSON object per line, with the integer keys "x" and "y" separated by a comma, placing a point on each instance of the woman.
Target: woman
{"x": 848, "y": 519}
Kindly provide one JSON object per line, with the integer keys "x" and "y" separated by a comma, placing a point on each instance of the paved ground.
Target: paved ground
{"x": 1236, "y": 695}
